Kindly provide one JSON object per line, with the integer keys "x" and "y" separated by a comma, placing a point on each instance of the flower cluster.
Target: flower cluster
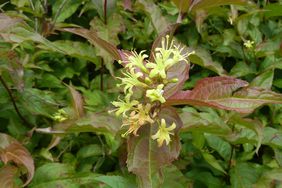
{"x": 149, "y": 79}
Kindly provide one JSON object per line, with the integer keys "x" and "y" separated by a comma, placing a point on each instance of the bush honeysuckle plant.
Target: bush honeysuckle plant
{"x": 196, "y": 104}
{"x": 150, "y": 79}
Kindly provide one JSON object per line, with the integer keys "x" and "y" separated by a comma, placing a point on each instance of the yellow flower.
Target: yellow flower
{"x": 137, "y": 118}
{"x": 156, "y": 94}
{"x": 165, "y": 57}
{"x": 163, "y": 134}
{"x": 249, "y": 44}
{"x": 124, "y": 106}
{"x": 137, "y": 60}
{"x": 60, "y": 115}
{"x": 131, "y": 80}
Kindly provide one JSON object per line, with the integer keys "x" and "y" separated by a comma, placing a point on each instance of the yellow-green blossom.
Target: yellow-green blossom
{"x": 137, "y": 61}
{"x": 249, "y": 44}
{"x": 163, "y": 134}
{"x": 165, "y": 57}
{"x": 156, "y": 94}
{"x": 130, "y": 80}
{"x": 124, "y": 106}
{"x": 137, "y": 118}
{"x": 60, "y": 115}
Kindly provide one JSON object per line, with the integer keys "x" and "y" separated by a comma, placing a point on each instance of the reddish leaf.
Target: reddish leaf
{"x": 77, "y": 102}
{"x": 219, "y": 92}
{"x": 182, "y": 5}
{"x": 93, "y": 38}
{"x": 12, "y": 150}
{"x": 101, "y": 122}
{"x": 179, "y": 71}
{"x": 145, "y": 158}
{"x": 7, "y": 175}
{"x": 6, "y": 21}
{"x": 204, "y": 4}
{"x": 127, "y": 4}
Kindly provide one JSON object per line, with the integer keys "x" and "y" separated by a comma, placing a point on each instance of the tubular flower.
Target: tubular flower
{"x": 163, "y": 134}
{"x": 124, "y": 106}
{"x": 150, "y": 78}
{"x": 156, "y": 94}
{"x": 131, "y": 79}
{"x": 137, "y": 60}
{"x": 137, "y": 118}
{"x": 165, "y": 57}
{"x": 60, "y": 115}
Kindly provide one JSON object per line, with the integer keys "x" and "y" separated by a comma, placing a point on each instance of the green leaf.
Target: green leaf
{"x": 209, "y": 179}
{"x": 109, "y": 32}
{"x": 60, "y": 175}
{"x": 213, "y": 162}
{"x": 244, "y": 175}
{"x": 73, "y": 49}
{"x": 159, "y": 21}
{"x": 100, "y": 6}
{"x": 63, "y": 9}
{"x": 273, "y": 10}
{"x": 90, "y": 150}
{"x": 145, "y": 158}
{"x": 204, "y": 122}
{"x": 264, "y": 80}
{"x": 241, "y": 69}
{"x": 272, "y": 137}
{"x": 173, "y": 177}
{"x": 117, "y": 181}
{"x": 222, "y": 147}
{"x": 202, "y": 58}
{"x": 253, "y": 125}
{"x": 39, "y": 101}
{"x": 94, "y": 39}
{"x": 268, "y": 177}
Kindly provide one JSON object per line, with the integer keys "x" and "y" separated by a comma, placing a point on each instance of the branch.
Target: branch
{"x": 14, "y": 103}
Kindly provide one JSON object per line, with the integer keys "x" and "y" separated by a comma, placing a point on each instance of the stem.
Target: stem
{"x": 231, "y": 156}
{"x": 14, "y": 102}
{"x": 35, "y": 20}
{"x": 105, "y": 12}
{"x": 102, "y": 76}
{"x": 102, "y": 64}
{"x": 232, "y": 153}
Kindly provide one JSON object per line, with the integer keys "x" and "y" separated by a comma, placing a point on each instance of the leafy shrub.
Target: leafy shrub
{"x": 192, "y": 87}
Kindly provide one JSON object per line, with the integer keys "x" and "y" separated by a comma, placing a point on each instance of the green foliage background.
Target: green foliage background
{"x": 47, "y": 69}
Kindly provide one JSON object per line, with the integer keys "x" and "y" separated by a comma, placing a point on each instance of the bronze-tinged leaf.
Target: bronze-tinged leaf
{"x": 7, "y": 175}
{"x": 179, "y": 71}
{"x": 100, "y": 122}
{"x": 127, "y": 4}
{"x": 221, "y": 92}
{"x": 93, "y": 38}
{"x": 77, "y": 102}
{"x": 12, "y": 150}
{"x": 182, "y": 5}
{"x": 7, "y": 22}
{"x": 204, "y": 4}
{"x": 145, "y": 158}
